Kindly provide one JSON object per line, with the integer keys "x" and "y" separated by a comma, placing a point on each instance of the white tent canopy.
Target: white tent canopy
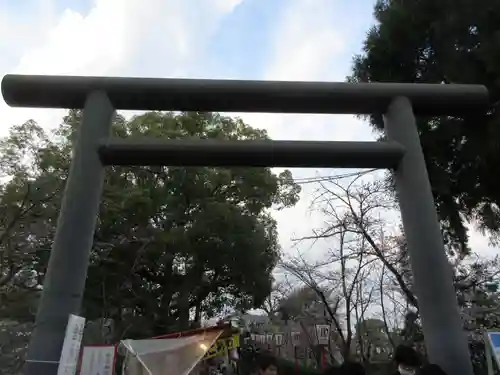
{"x": 167, "y": 356}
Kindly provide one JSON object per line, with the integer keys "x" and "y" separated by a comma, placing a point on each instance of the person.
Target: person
{"x": 407, "y": 360}
{"x": 267, "y": 364}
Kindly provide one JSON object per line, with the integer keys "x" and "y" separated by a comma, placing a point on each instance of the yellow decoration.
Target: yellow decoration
{"x": 222, "y": 346}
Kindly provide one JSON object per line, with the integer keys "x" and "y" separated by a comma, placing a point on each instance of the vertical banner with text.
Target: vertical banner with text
{"x": 70, "y": 352}
{"x": 98, "y": 360}
{"x": 323, "y": 333}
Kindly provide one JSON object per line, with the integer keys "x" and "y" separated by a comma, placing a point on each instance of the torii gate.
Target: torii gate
{"x": 94, "y": 149}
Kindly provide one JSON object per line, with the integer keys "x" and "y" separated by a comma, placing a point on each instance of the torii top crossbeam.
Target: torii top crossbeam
{"x": 241, "y": 96}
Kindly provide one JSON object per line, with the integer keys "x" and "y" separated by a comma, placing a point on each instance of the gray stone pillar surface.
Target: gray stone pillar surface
{"x": 445, "y": 339}
{"x": 67, "y": 270}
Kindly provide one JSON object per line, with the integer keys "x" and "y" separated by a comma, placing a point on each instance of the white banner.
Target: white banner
{"x": 278, "y": 337}
{"x": 70, "y": 352}
{"x": 323, "y": 333}
{"x": 98, "y": 360}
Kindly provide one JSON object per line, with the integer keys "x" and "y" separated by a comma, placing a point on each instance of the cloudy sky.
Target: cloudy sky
{"x": 244, "y": 39}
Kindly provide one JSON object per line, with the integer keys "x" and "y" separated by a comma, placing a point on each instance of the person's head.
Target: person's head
{"x": 352, "y": 368}
{"x": 267, "y": 365}
{"x": 407, "y": 359}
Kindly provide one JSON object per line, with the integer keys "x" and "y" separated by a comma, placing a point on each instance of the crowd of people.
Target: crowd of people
{"x": 406, "y": 360}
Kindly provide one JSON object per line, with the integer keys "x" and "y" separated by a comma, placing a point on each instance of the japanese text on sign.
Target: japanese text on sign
{"x": 222, "y": 346}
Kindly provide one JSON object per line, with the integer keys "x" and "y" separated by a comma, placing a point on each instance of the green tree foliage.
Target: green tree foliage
{"x": 14, "y": 338}
{"x": 445, "y": 42}
{"x": 172, "y": 245}
{"x": 477, "y": 283}
{"x": 301, "y": 303}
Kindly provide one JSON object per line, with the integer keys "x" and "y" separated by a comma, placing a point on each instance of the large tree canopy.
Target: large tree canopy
{"x": 446, "y": 42}
{"x": 171, "y": 244}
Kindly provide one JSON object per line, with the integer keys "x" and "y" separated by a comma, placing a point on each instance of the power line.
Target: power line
{"x": 316, "y": 179}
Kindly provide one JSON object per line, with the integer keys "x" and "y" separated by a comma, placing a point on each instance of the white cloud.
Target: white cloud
{"x": 226, "y": 6}
{"x": 74, "y": 44}
{"x": 305, "y": 42}
{"x": 78, "y": 45}
{"x": 480, "y": 244}
{"x": 116, "y": 37}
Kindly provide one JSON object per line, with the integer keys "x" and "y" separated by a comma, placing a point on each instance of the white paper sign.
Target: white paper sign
{"x": 98, "y": 360}
{"x": 296, "y": 338}
{"x": 70, "y": 352}
{"x": 269, "y": 338}
{"x": 278, "y": 337}
{"x": 323, "y": 333}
